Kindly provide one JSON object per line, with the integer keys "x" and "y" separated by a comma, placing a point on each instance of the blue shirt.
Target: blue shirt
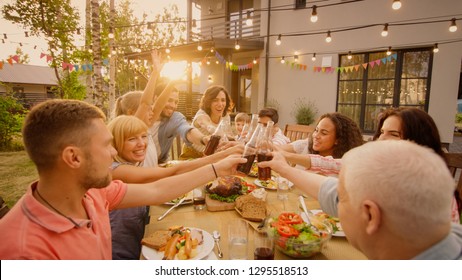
{"x": 169, "y": 128}
{"x": 450, "y": 248}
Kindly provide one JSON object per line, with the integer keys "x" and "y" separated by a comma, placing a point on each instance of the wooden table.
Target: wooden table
{"x": 337, "y": 248}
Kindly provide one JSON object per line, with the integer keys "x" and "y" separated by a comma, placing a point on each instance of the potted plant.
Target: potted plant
{"x": 304, "y": 111}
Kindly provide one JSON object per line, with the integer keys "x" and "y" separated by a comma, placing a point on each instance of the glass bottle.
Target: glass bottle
{"x": 264, "y": 149}
{"x": 250, "y": 151}
{"x": 253, "y": 126}
{"x": 215, "y": 139}
{"x": 244, "y": 132}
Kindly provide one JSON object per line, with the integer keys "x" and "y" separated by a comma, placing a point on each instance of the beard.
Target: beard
{"x": 90, "y": 180}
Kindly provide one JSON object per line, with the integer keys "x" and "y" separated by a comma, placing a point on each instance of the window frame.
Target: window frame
{"x": 398, "y": 78}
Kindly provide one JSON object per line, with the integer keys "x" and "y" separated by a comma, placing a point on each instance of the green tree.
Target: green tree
{"x": 56, "y": 20}
{"x": 12, "y": 115}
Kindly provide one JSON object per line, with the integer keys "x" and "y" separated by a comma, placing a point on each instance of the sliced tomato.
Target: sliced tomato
{"x": 287, "y": 231}
{"x": 290, "y": 218}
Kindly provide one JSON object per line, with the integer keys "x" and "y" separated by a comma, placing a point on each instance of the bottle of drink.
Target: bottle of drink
{"x": 264, "y": 149}
{"x": 215, "y": 139}
{"x": 253, "y": 126}
{"x": 250, "y": 151}
{"x": 244, "y": 133}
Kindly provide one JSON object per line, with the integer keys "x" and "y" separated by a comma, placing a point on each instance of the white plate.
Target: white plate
{"x": 203, "y": 250}
{"x": 188, "y": 200}
{"x": 273, "y": 185}
{"x": 339, "y": 233}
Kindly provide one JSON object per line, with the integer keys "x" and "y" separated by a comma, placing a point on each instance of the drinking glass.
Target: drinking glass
{"x": 199, "y": 198}
{"x": 263, "y": 247}
{"x": 237, "y": 239}
{"x": 283, "y": 188}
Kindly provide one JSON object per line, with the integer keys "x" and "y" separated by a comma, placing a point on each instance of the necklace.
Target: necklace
{"x": 56, "y": 210}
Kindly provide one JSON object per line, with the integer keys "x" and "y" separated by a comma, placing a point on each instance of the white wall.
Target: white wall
{"x": 286, "y": 84}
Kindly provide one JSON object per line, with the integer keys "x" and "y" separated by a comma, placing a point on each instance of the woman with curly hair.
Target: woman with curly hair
{"x": 335, "y": 134}
{"x": 417, "y": 126}
{"x": 214, "y": 105}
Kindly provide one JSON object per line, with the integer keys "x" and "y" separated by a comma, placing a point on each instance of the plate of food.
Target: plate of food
{"x": 188, "y": 200}
{"x": 179, "y": 243}
{"x": 254, "y": 170}
{"x": 269, "y": 184}
{"x": 336, "y": 226}
{"x": 228, "y": 188}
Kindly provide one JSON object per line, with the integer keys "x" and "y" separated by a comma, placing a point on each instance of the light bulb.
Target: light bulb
{"x": 282, "y": 60}
{"x": 278, "y": 41}
{"x": 296, "y": 58}
{"x": 199, "y": 47}
{"x": 111, "y": 35}
{"x": 453, "y": 27}
{"x": 396, "y": 4}
{"x": 237, "y": 46}
{"x": 167, "y": 50}
{"x": 314, "y": 15}
{"x": 249, "y": 20}
{"x": 328, "y": 38}
{"x": 435, "y": 48}
{"x": 350, "y": 56}
{"x": 254, "y": 61}
{"x": 389, "y": 51}
{"x": 385, "y": 30}
{"x": 313, "y": 58}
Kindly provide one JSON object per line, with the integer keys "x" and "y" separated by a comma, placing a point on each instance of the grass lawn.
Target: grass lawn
{"x": 16, "y": 173}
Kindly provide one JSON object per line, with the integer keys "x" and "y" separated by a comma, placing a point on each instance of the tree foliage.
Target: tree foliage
{"x": 55, "y": 20}
{"x": 23, "y": 57}
{"x": 11, "y": 118}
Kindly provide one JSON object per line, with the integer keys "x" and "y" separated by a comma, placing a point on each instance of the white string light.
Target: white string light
{"x": 278, "y": 41}
{"x": 314, "y": 14}
{"x": 396, "y": 5}
{"x": 385, "y": 30}
{"x": 453, "y": 26}
{"x": 328, "y": 37}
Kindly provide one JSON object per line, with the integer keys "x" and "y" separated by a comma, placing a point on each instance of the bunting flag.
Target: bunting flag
{"x": 357, "y": 67}
{"x": 15, "y": 58}
{"x": 229, "y": 65}
{"x": 10, "y": 61}
{"x": 1, "y": 65}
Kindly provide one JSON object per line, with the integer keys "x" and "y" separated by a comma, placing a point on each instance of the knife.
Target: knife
{"x": 171, "y": 208}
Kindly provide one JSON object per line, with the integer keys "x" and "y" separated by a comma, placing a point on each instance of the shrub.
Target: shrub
{"x": 304, "y": 111}
{"x": 459, "y": 118}
{"x": 12, "y": 115}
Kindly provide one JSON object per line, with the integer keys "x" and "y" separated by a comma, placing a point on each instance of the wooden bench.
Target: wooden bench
{"x": 297, "y": 131}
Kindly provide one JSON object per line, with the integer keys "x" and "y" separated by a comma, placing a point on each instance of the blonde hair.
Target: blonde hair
{"x": 242, "y": 117}
{"x": 127, "y": 104}
{"x": 123, "y": 127}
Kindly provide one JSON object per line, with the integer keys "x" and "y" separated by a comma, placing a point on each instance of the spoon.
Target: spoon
{"x": 216, "y": 237}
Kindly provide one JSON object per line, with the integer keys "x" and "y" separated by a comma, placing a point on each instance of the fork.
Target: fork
{"x": 171, "y": 208}
{"x": 307, "y": 214}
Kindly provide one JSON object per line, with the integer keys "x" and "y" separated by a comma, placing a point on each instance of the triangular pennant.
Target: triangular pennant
{"x": 378, "y": 62}
{"x": 84, "y": 67}
{"x": 319, "y": 69}
{"x": 341, "y": 69}
{"x": 106, "y": 61}
{"x": 90, "y": 66}
{"x": 63, "y": 64}
{"x": 76, "y": 67}
{"x": 42, "y": 55}
{"x": 389, "y": 58}
{"x": 364, "y": 65}
{"x": 304, "y": 67}
{"x": 384, "y": 60}
{"x": 323, "y": 69}
{"x": 356, "y": 67}
{"x": 227, "y": 65}
{"x": 49, "y": 58}
{"x": 15, "y": 58}
{"x": 1, "y": 65}
{"x": 372, "y": 63}
{"x": 394, "y": 56}
{"x": 10, "y": 61}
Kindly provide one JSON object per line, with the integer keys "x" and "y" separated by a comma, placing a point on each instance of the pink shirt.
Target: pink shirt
{"x": 32, "y": 231}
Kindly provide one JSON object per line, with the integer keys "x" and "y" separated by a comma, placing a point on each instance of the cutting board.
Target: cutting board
{"x": 216, "y": 205}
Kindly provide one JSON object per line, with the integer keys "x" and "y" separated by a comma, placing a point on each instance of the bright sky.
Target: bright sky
{"x": 15, "y": 34}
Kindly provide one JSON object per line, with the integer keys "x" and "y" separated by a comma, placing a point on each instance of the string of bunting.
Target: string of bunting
{"x": 65, "y": 65}
{"x": 318, "y": 69}
{"x": 230, "y": 66}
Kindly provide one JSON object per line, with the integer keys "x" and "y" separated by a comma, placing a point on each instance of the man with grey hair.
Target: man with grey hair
{"x": 393, "y": 199}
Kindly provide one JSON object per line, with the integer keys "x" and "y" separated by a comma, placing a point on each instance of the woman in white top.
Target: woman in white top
{"x": 214, "y": 105}
{"x": 335, "y": 134}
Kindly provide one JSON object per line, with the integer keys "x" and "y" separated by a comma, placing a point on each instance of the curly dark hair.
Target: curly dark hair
{"x": 210, "y": 94}
{"x": 347, "y": 133}
{"x": 417, "y": 126}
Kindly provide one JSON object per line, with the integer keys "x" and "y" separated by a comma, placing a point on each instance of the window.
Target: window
{"x": 300, "y": 4}
{"x": 403, "y": 80}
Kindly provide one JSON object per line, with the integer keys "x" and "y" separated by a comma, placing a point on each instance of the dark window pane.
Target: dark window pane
{"x": 413, "y": 91}
{"x": 350, "y": 92}
{"x": 381, "y": 70}
{"x": 415, "y": 64}
{"x": 380, "y": 92}
{"x": 352, "y": 73}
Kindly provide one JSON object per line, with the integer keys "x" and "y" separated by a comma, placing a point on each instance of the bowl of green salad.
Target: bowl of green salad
{"x": 295, "y": 238}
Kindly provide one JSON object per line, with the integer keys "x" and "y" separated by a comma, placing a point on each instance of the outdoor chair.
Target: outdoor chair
{"x": 175, "y": 150}
{"x": 455, "y": 166}
{"x": 297, "y": 131}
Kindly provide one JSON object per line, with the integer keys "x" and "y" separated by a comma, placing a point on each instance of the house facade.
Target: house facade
{"x": 30, "y": 83}
{"x": 360, "y": 72}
